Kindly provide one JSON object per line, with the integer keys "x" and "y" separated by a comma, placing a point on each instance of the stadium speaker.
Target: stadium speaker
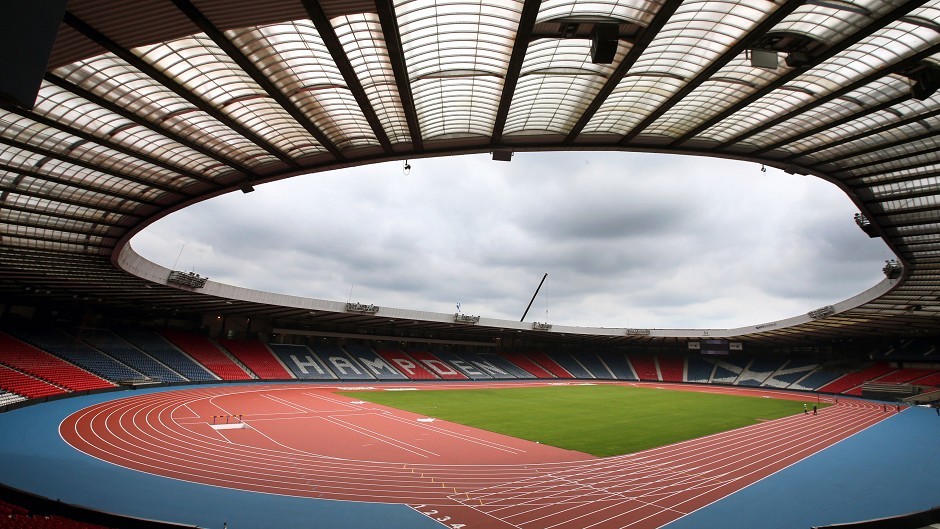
{"x": 604, "y": 40}
{"x": 29, "y": 29}
{"x": 798, "y": 59}
{"x": 926, "y": 82}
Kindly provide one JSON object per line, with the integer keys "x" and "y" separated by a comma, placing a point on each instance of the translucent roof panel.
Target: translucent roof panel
{"x": 854, "y": 102}
{"x": 460, "y": 49}
{"x": 831, "y": 22}
{"x": 200, "y": 65}
{"x": 74, "y": 111}
{"x": 557, "y": 83}
{"x": 731, "y": 84}
{"x": 295, "y": 59}
{"x": 698, "y": 34}
{"x": 885, "y": 47}
{"x": 863, "y": 127}
{"x": 362, "y": 40}
{"x": 121, "y": 84}
{"x": 69, "y": 147}
{"x": 639, "y": 12}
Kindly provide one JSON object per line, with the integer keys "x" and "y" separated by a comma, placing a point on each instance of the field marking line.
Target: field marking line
{"x": 392, "y": 441}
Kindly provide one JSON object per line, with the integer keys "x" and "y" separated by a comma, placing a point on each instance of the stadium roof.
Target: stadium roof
{"x": 149, "y": 106}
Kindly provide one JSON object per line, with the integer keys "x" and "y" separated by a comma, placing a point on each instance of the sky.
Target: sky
{"x": 627, "y": 239}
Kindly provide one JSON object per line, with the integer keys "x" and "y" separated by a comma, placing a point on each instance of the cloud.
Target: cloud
{"x": 627, "y": 239}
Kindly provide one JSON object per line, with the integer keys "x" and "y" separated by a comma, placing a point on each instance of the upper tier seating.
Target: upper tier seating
{"x": 671, "y": 367}
{"x": 409, "y": 366}
{"x": 303, "y": 362}
{"x": 257, "y": 357}
{"x": 30, "y": 360}
{"x": 851, "y": 383}
{"x": 166, "y": 353}
{"x": 25, "y": 385}
{"x": 645, "y": 366}
{"x": 122, "y": 350}
{"x": 550, "y": 365}
{"x": 208, "y": 354}
{"x": 80, "y": 354}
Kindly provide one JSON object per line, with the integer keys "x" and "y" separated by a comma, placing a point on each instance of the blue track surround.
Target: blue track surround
{"x": 34, "y": 458}
{"x": 892, "y": 468}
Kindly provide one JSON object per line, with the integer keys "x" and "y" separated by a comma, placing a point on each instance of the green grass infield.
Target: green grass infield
{"x": 602, "y": 420}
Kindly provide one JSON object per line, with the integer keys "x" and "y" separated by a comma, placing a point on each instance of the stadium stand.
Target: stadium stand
{"x": 6, "y": 397}
{"x": 208, "y": 354}
{"x": 571, "y": 365}
{"x": 596, "y": 366}
{"x": 671, "y": 367}
{"x": 256, "y": 356}
{"x": 645, "y": 366}
{"x": 699, "y": 370}
{"x": 850, "y": 383}
{"x": 32, "y": 361}
{"x": 21, "y": 384}
{"x": 477, "y": 361}
{"x": 410, "y": 367}
{"x": 619, "y": 365}
{"x": 166, "y": 353}
{"x": 79, "y": 353}
{"x": 302, "y": 362}
{"x": 818, "y": 378}
{"x": 345, "y": 367}
{"x": 790, "y": 373}
{"x": 465, "y": 368}
{"x": 552, "y": 366}
{"x": 759, "y": 370}
{"x": 120, "y": 349}
{"x": 727, "y": 370}
{"x": 902, "y": 376}
{"x": 374, "y": 363}
{"x": 528, "y": 364}
{"x": 929, "y": 380}
{"x": 501, "y": 362}
{"x": 455, "y": 370}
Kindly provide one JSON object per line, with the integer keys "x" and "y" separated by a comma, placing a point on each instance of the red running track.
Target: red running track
{"x": 309, "y": 441}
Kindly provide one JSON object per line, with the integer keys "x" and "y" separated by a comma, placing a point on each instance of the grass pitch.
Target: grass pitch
{"x": 601, "y": 420}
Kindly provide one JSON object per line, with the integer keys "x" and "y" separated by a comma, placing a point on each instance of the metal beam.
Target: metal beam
{"x": 642, "y": 43}
{"x": 733, "y": 52}
{"x": 178, "y": 89}
{"x": 335, "y": 47}
{"x": 252, "y": 70}
{"x": 828, "y": 126}
{"x": 51, "y": 123}
{"x": 530, "y": 11}
{"x": 873, "y": 76}
{"x": 69, "y": 183}
{"x": 86, "y": 165}
{"x": 838, "y": 48}
{"x": 386, "y": 12}
{"x": 94, "y": 98}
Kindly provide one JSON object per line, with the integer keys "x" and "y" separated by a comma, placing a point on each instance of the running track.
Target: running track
{"x": 458, "y": 476}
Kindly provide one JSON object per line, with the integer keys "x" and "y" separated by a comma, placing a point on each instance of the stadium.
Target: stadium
{"x": 134, "y": 394}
